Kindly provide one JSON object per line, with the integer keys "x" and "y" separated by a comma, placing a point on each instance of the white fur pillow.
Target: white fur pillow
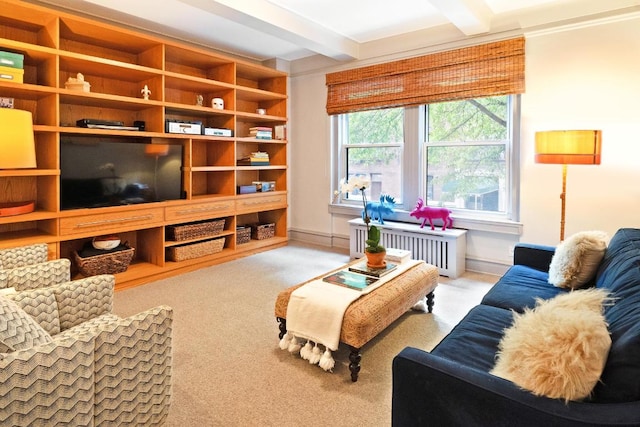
{"x": 576, "y": 259}
{"x": 559, "y": 348}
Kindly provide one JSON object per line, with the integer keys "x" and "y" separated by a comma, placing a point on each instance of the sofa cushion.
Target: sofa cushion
{"x": 559, "y": 348}
{"x": 619, "y": 273}
{"x": 576, "y": 259}
{"x": 474, "y": 341}
{"x": 18, "y": 330}
{"x": 519, "y": 288}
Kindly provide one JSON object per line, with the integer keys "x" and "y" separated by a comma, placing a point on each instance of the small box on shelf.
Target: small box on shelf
{"x": 264, "y": 186}
{"x": 247, "y": 189}
{"x": 12, "y": 60}
{"x": 9, "y": 74}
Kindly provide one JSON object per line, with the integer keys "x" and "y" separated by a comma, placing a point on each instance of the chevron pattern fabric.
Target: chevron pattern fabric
{"x": 18, "y": 330}
{"x": 49, "y": 384}
{"x": 38, "y": 275}
{"x": 101, "y": 370}
{"x": 84, "y": 299}
{"x": 134, "y": 355}
{"x": 23, "y": 256}
{"x": 41, "y": 305}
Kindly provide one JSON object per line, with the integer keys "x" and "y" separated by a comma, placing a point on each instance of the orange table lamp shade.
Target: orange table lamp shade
{"x": 569, "y": 147}
{"x": 156, "y": 149}
{"x": 17, "y": 146}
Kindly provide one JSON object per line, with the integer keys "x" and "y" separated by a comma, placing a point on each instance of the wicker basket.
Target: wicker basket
{"x": 194, "y": 230}
{"x": 243, "y": 235}
{"x": 195, "y": 250}
{"x": 262, "y": 231}
{"x": 109, "y": 263}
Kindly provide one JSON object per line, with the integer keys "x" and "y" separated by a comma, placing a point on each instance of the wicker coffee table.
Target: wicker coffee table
{"x": 370, "y": 314}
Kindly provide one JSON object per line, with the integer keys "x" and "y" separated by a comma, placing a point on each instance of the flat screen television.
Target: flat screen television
{"x": 99, "y": 172}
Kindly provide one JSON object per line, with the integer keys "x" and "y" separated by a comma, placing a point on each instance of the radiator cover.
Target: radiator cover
{"x": 443, "y": 249}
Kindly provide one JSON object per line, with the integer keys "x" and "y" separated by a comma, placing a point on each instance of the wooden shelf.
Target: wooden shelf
{"x": 118, "y": 62}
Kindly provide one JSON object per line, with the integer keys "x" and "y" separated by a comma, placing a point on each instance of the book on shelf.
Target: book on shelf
{"x": 350, "y": 279}
{"x": 252, "y": 162}
{"x": 257, "y": 158}
{"x": 280, "y": 132}
{"x": 362, "y": 268}
{"x": 260, "y": 135}
{"x": 260, "y": 128}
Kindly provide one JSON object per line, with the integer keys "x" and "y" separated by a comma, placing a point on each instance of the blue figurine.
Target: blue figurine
{"x": 378, "y": 209}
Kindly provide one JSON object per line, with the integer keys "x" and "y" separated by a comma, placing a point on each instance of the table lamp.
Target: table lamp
{"x": 17, "y": 151}
{"x": 568, "y": 147}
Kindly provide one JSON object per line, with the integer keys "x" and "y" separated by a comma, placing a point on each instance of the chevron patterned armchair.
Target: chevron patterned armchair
{"x": 66, "y": 359}
{"x": 28, "y": 267}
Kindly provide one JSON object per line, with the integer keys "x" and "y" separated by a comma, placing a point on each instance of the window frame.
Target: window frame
{"x": 414, "y": 161}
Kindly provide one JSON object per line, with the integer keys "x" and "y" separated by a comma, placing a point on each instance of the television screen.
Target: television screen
{"x": 98, "y": 172}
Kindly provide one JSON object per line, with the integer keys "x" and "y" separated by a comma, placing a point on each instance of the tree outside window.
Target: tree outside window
{"x": 463, "y": 161}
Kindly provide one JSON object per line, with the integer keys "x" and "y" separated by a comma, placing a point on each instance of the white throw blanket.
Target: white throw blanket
{"x": 315, "y": 312}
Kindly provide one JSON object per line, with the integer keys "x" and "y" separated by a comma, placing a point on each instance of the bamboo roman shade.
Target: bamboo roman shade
{"x": 486, "y": 70}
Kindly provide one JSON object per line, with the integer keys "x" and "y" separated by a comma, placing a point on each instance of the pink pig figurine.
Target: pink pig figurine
{"x": 429, "y": 213}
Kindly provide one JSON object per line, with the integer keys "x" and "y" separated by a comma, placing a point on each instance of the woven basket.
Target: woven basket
{"x": 194, "y": 230}
{"x": 243, "y": 235}
{"x": 195, "y": 250}
{"x": 110, "y": 263}
{"x": 262, "y": 231}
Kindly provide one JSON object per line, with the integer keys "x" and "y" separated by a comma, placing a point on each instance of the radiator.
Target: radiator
{"x": 443, "y": 249}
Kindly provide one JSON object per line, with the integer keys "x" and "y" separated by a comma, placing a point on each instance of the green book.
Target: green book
{"x": 350, "y": 279}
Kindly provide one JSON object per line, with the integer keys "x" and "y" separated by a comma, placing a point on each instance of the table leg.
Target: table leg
{"x": 430, "y": 301}
{"x": 282, "y": 325}
{"x": 354, "y": 357}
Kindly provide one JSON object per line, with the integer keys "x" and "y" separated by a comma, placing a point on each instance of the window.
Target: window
{"x": 460, "y": 154}
{"x": 467, "y": 147}
{"x": 372, "y": 146}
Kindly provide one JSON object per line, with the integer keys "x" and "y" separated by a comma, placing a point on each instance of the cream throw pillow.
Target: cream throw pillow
{"x": 576, "y": 260}
{"x": 559, "y": 348}
{"x": 18, "y": 330}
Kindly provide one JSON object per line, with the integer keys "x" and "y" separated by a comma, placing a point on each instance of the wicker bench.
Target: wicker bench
{"x": 369, "y": 315}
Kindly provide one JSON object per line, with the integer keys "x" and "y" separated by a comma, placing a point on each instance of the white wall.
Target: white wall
{"x": 576, "y": 78}
{"x": 587, "y": 78}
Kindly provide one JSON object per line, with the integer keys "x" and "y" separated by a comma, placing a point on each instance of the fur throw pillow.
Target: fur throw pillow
{"x": 576, "y": 259}
{"x": 559, "y": 348}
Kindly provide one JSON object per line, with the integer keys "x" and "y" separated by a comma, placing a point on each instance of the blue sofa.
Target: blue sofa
{"x": 452, "y": 386}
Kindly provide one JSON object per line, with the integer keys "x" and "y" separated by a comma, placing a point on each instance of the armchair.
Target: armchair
{"x": 27, "y": 267}
{"x": 65, "y": 358}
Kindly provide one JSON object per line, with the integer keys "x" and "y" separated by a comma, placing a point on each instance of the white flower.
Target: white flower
{"x": 358, "y": 182}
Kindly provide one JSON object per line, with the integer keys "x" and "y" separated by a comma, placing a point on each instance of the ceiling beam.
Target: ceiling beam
{"x": 269, "y": 18}
{"x": 469, "y": 16}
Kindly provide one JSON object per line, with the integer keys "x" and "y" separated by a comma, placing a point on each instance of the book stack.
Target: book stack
{"x": 363, "y": 268}
{"x": 257, "y": 158}
{"x": 397, "y": 255}
{"x": 261, "y": 132}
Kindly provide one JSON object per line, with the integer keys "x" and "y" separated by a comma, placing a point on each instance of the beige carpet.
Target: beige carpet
{"x": 228, "y": 369}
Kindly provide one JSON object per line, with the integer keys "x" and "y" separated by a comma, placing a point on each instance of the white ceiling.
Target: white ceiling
{"x": 337, "y": 29}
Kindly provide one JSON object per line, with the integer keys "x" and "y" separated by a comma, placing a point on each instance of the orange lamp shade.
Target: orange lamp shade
{"x": 17, "y": 145}
{"x": 569, "y": 147}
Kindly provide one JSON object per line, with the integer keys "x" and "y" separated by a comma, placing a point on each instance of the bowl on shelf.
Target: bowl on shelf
{"x": 106, "y": 242}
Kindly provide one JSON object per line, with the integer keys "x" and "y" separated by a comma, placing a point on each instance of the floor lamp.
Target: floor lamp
{"x": 17, "y": 151}
{"x": 568, "y": 147}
